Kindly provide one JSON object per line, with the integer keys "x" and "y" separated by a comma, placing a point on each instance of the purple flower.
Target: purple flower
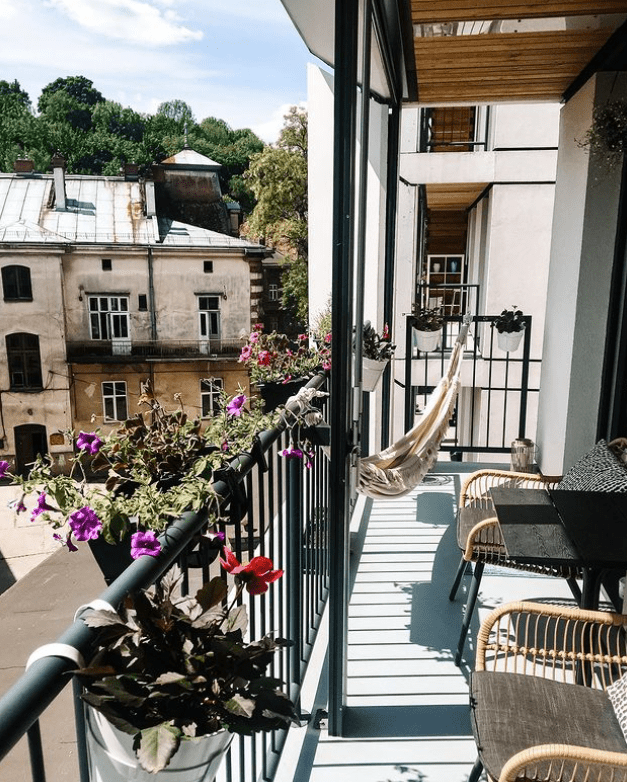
{"x": 144, "y": 543}
{"x": 41, "y": 507}
{"x": 236, "y": 405}
{"x": 4, "y": 466}
{"x": 17, "y": 505}
{"x": 85, "y": 524}
{"x": 216, "y": 539}
{"x": 67, "y": 542}
{"x": 292, "y": 453}
{"x": 88, "y": 441}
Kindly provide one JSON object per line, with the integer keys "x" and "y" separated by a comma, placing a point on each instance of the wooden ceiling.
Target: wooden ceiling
{"x": 468, "y": 51}
{"x": 453, "y": 197}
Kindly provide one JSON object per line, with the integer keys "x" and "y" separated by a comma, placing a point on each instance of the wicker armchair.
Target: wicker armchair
{"x": 525, "y": 693}
{"x": 480, "y": 540}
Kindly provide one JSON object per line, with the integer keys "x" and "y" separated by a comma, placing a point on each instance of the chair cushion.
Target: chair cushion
{"x": 598, "y": 470}
{"x": 467, "y": 518}
{"x": 511, "y": 712}
{"x": 617, "y": 693}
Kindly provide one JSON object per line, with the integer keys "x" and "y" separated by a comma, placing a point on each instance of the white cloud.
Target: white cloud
{"x": 269, "y": 130}
{"x": 8, "y": 9}
{"x": 134, "y": 21}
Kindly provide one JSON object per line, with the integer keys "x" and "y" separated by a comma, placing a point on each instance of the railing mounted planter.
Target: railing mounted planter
{"x": 509, "y": 341}
{"x": 275, "y": 394}
{"x": 372, "y": 371}
{"x": 111, "y": 756}
{"x": 427, "y": 340}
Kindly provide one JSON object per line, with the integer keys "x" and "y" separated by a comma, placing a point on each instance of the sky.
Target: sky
{"x": 239, "y": 60}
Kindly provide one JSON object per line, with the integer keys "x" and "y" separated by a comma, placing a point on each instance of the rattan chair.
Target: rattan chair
{"x": 539, "y": 706}
{"x": 480, "y": 540}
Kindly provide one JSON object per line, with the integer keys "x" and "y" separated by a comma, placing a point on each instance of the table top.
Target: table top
{"x": 566, "y": 527}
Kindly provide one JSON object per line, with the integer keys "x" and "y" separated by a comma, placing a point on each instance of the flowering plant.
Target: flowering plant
{"x": 168, "y": 669}
{"x": 510, "y": 321}
{"x": 156, "y": 470}
{"x": 273, "y": 357}
{"x": 377, "y": 347}
{"x": 426, "y": 319}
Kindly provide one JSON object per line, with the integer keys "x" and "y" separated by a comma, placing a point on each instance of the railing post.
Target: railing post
{"x": 524, "y": 380}
{"x": 294, "y": 567}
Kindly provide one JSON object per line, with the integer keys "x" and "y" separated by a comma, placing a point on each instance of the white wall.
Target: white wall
{"x": 584, "y": 229}
{"x": 524, "y": 125}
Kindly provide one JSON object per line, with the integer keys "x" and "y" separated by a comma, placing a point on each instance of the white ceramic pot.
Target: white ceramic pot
{"x": 509, "y": 341}
{"x": 372, "y": 371}
{"x": 428, "y": 340}
{"x": 111, "y": 758}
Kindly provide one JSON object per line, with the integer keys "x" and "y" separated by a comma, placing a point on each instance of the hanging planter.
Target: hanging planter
{"x": 275, "y": 394}
{"x": 427, "y": 340}
{"x": 509, "y": 341}
{"x": 607, "y": 136}
{"x": 111, "y": 756}
{"x": 372, "y": 371}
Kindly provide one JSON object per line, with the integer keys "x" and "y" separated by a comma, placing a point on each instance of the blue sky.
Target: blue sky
{"x": 239, "y": 60}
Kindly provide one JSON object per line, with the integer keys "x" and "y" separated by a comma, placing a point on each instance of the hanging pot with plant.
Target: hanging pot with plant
{"x": 510, "y": 326}
{"x": 377, "y": 351}
{"x": 607, "y": 136}
{"x": 428, "y": 325}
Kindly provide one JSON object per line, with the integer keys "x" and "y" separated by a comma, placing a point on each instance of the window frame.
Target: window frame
{"x": 24, "y": 359}
{"x": 22, "y": 283}
{"x": 274, "y": 291}
{"x": 210, "y": 397}
{"x": 109, "y": 320}
{"x": 115, "y": 395}
{"x": 208, "y": 317}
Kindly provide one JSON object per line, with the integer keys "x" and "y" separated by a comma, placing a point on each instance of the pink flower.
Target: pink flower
{"x": 4, "y": 466}
{"x": 85, "y": 524}
{"x": 326, "y": 365}
{"x": 246, "y": 353}
{"x": 264, "y": 358}
{"x": 236, "y": 405}
{"x": 254, "y": 337}
{"x": 327, "y": 339}
{"x": 144, "y": 543}
{"x": 256, "y": 575}
{"x": 386, "y": 331}
{"x": 88, "y": 441}
{"x": 302, "y": 337}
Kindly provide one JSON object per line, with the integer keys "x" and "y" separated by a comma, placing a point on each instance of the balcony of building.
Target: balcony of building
{"x": 120, "y": 350}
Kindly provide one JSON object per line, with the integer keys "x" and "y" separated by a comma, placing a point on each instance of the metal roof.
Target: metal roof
{"x": 106, "y": 210}
{"x": 188, "y": 157}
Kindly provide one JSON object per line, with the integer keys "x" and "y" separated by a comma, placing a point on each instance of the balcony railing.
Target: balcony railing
{"x": 116, "y": 350}
{"x": 284, "y": 507}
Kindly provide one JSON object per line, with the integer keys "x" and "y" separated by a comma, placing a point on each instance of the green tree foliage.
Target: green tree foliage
{"x": 13, "y": 88}
{"x": 278, "y": 179}
{"x": 77, "y": 87}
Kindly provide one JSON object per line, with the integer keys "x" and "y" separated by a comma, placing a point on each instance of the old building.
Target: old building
{"x": 102, "y": 291}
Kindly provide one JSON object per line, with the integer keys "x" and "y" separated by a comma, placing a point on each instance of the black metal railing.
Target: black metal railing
{"x": 498, "y": 390}
{"x": 271, "y": 506}
{"x": 160, "y": 349}
{"x": 453, "y": 129}
{"x": 451, "y": 298}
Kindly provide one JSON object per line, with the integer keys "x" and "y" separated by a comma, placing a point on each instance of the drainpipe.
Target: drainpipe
{"x": 58, "y": 170}
{"x": 151, "y": 297}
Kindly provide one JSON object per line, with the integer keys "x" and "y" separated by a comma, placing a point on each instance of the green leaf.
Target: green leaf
{"x": 240, "y": 706}
{"x": 237, "y": 620}
{"x": 156, "y": 746}
{"x": 212, "y": 594}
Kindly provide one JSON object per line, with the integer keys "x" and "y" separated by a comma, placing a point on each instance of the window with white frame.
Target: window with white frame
{"x": 210, "y": 389}
{"x": 109, "y": 317}
{"x": 273, "y": 291}
{"x": 209, "y": 316}
{"x": 114, "y": 400}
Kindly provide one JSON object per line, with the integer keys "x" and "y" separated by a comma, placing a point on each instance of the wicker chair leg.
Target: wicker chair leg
{"x": 458, "y": 578}
{"x": 475, "y": 774}
{"x": 470, "y": 607}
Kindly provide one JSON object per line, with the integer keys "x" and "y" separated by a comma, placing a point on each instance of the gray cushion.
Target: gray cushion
{"x": 466, "y": 520}
{"x": 599, "y": 470}
{"x": 511, "y": 712}
{"x": 617, "y": 693}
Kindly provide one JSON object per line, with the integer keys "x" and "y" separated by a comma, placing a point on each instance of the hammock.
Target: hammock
{"x": 400, "y": 468}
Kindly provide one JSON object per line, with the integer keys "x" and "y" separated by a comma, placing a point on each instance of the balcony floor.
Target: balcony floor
{"x": 407, "y": 717}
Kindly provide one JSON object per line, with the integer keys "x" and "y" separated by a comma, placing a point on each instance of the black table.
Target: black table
{"x": 586, "y": 529}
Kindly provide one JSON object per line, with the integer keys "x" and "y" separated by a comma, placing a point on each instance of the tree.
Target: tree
{"x": 13, "y": 88}
{"x": 77, "y": 87}
{"x": 177, "y": 110}
{"x": 278, "y": 178}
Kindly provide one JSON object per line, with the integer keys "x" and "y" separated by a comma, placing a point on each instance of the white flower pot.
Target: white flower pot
{"x": 111, "y": 757}
{"x": 427, "y": 340}
{"x": 509, "y": 341}
{"x": 372, "y": 371}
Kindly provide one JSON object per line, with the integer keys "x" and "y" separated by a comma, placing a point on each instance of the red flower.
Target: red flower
{"x": 256, "y": 575}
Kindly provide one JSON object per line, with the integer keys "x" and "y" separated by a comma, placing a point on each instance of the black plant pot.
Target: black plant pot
{"x": 111, "y": 559}
{"x": 275, "y": 394}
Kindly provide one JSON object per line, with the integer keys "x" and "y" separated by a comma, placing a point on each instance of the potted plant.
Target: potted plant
{"x": 510, "y": 326}
{"x": 173, "y": 678}
{"x": 607, "y": 136}
{"x": 428, "y": 325}
{"x": 377, "y": 351}
{"x": 157, "y": 466}
{"x": 278, "y": 366}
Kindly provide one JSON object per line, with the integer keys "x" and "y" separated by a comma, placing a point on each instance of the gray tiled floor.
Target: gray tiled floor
{"x": 407, "y": 717}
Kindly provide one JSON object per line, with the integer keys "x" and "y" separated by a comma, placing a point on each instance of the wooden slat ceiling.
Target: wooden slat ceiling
{"x": 453, "y": 197}
{"x": 507, "y": 66}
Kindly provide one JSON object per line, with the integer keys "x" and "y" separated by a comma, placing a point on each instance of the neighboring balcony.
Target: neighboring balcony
{"x": 86, "y": 351}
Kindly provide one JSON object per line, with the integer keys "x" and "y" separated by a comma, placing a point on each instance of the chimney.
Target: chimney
{"x": 131, "y": 171}
{"x": 23, "y": 165}
{"x": 58, "y": 169}
{"x": 151, "y": 204}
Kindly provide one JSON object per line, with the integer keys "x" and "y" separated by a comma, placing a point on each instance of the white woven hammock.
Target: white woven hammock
{"x": 400, "y": 468}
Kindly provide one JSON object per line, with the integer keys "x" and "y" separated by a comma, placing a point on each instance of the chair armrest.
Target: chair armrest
{"x": 484, "y": 536}
{"x": 572, "y": 761}
{"x": 549, "y": 641}
{"x": 476, "y": 487}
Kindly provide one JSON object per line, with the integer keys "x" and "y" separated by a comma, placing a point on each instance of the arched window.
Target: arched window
{"x": 16, "y": 285}
{"x": 24, "y": 362}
